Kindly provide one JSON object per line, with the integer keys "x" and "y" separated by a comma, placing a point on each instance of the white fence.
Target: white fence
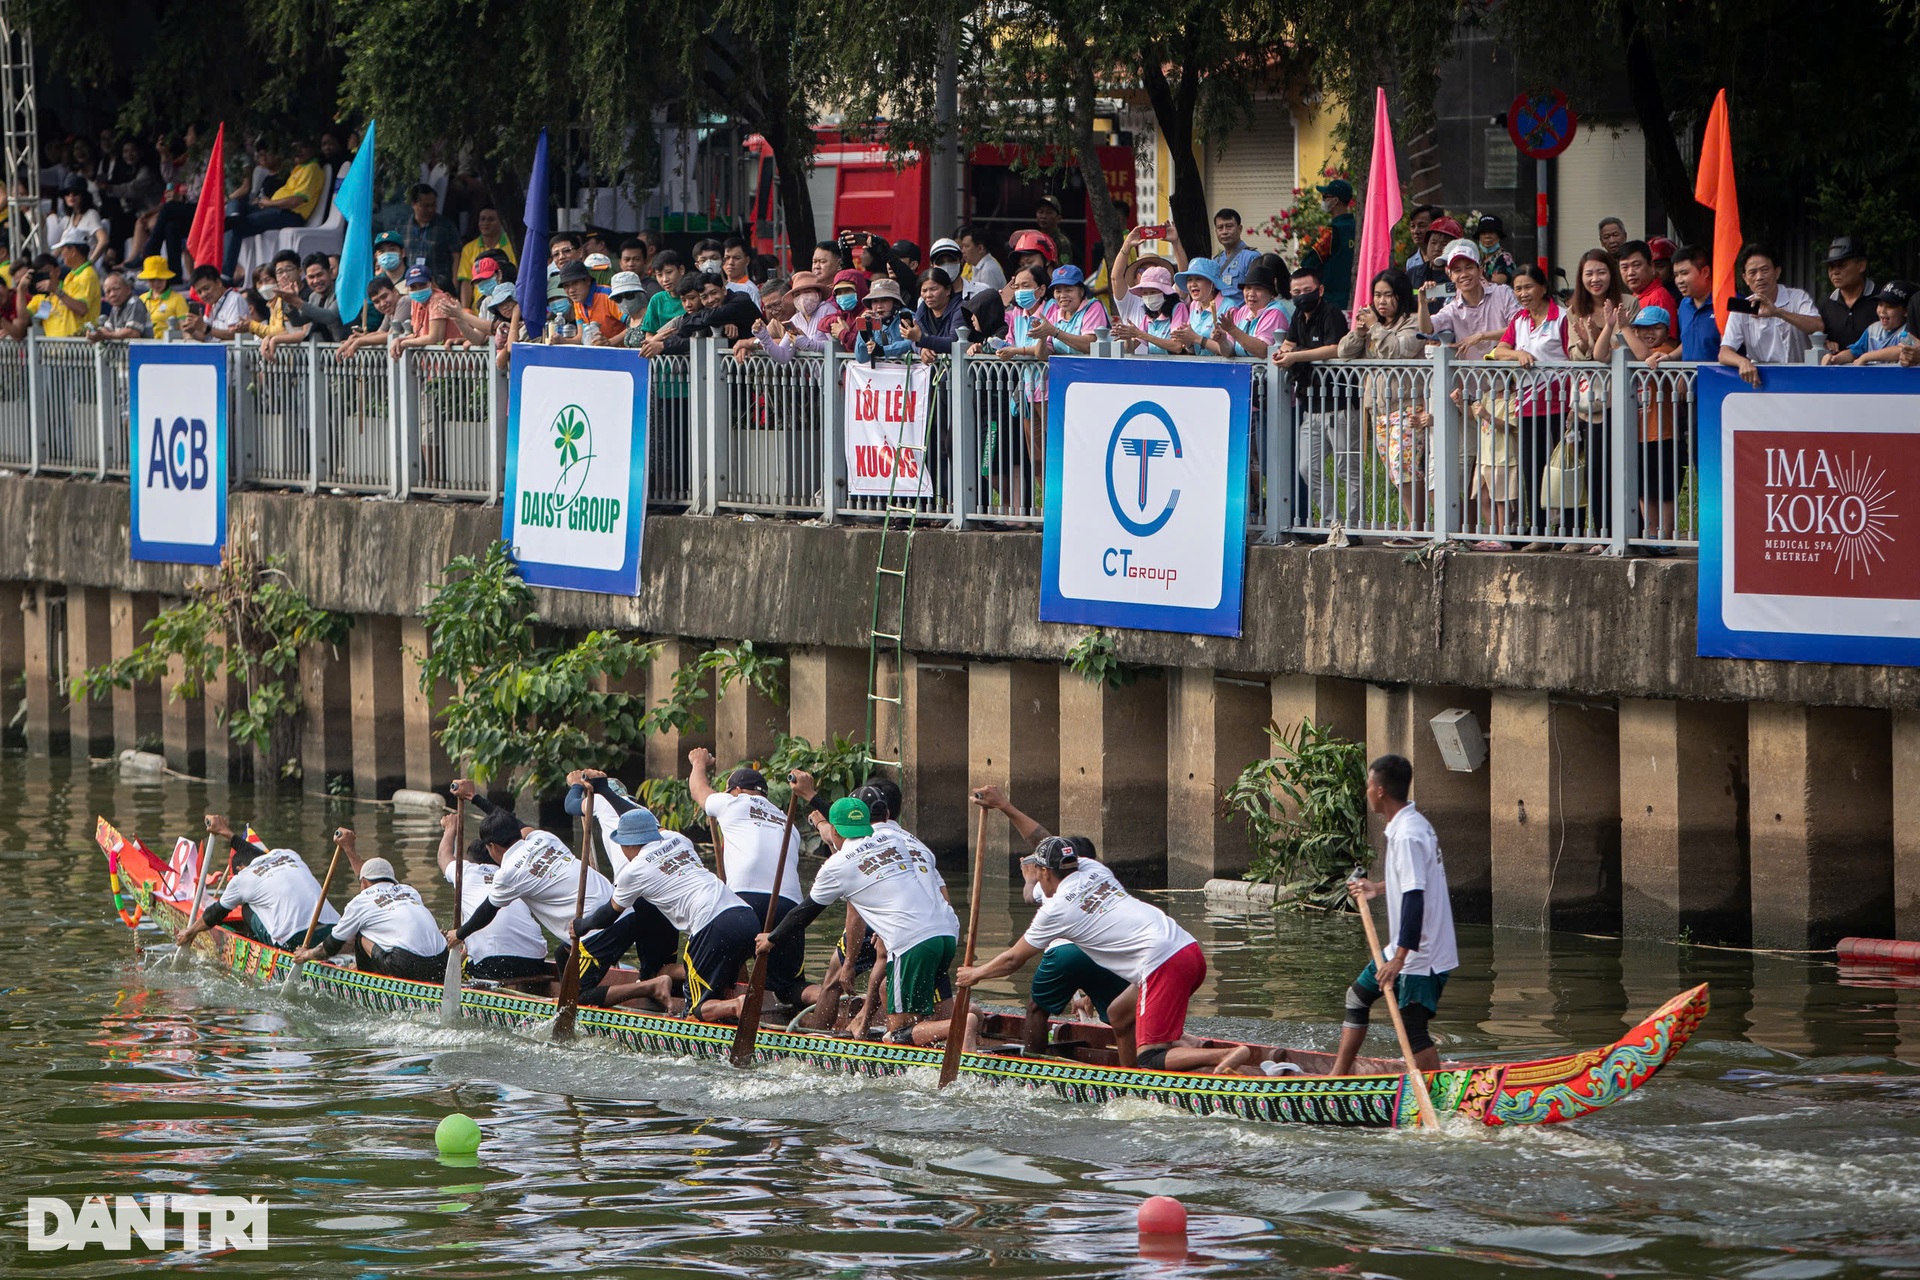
{"x": 1578, "y": 455}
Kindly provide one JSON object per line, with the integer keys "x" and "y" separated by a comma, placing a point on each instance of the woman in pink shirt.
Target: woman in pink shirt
{"x": 1536, "y": 336}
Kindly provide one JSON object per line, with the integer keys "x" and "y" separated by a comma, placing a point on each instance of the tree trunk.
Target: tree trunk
{"x": 1670, "y": 176}
{"x": 1106, "y": 214}
{"x": 1173, "y": 110}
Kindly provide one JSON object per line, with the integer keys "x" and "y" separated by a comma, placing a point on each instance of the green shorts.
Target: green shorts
{"x": 1066, "y": 969}
{"x": 913, "y": 977}
{"x": 1410, "y": 988}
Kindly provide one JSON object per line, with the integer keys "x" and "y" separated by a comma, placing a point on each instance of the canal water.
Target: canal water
{"x": 1782, "y": 1144}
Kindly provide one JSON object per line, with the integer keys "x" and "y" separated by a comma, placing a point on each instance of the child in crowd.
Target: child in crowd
{"x": 1661, "y": 403}
{"x": 1884, "y": 338}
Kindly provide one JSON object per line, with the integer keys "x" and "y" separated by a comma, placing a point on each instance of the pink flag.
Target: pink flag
{"x": 1383, "y": 206}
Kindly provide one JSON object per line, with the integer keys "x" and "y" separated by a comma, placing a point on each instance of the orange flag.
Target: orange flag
{"x": 1713, "y": 187}
{"x": 206, "y": 241}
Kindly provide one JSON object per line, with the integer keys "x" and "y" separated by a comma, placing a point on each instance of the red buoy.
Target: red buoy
{"x": 1163, "y": 1216}
{"x": 1878, "y": 951}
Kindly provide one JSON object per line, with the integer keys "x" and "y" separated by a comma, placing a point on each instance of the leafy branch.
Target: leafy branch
{"x": 1305, "y": 809}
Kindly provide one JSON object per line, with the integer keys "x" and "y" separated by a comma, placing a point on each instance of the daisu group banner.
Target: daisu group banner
{"x": 886, "y": 421}
{"x": 177, "y": 451}
{"x": 577, "y": 467}
{"x": 1146, "y": 512}
{"x": 1810, "y": 514}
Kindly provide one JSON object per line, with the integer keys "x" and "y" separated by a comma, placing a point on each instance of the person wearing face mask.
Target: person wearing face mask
{"x": 1250, "y": 329}
{"x": 386, "y": 258}
{"x": 429, "y": 318}
{"x": 629, "y": 296}
{"x": 1332, "y": 250}
{"x": 806, "y": 329}
{"x": 1150, "y": 313}
{"x": 1016, "y": 466}
{"x": 1328, "y": 423}
{"x": 849, "y": 303}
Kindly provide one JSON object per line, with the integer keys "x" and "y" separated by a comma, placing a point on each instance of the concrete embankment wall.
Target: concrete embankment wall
{"x": 1630, "y": 786}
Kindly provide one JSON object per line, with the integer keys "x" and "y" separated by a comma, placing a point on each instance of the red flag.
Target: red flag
{"x": 207, "y": 241}
{"x": 1713, "y": 187}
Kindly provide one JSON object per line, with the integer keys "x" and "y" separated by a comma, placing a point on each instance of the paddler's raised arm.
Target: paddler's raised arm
{"x": 464, "y": 788}
{"x": 992, "y": 797}
{"x": 580, "y": 779}
{"x": 449, "y": 840}
{"x": 699, "y": 784}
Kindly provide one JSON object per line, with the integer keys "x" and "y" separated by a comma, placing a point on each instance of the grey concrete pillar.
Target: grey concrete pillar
{"x": 222, "y": 756}
{"x": 936, "y": 755}
{"x": 183, "y": 724}
{"x": 827, "y": 694}
{"x": 667, "y": 751}
{"x": 1399, "y": 722}
{"x": 1555, "y": 779}
{"x": 1113, "y": 771}
{"x": 326, "y": 729}
{"x": 1328, "y": 701}
{"x": 747, "y": 721}
{"x": 13, "y": 656}
{"x": 136, "y": 711}
{"x": 378, "y": 677}
{"x": 1216, "y": 726}
{"x": 43, "y": 616}
{"x": 1822, "y": 820}
{"x": 1013, "y": 742}
{"x": 428, "y": 768}
{"x": 1683, "y": 820}
{"x": 89, "y": 644}
{"x": 1906, "y": 828}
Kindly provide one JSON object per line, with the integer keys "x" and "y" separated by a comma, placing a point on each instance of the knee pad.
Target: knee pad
{"x": 1415, "y": 1016}
{"x": 1359, "y": 1006}
{"x": 1153, "y": 1059}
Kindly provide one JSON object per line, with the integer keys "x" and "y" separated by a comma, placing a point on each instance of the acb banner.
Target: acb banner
{"x": 1146, "y": 511}
{"x": 576, "y": 496}
{"x": 886, "y": 430}
{"x": 1809, "y": 511}
{"x": 177, "y": 451}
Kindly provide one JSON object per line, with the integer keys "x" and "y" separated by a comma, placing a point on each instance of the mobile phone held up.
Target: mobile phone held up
{"x": 1156, "y": 232}
{"x": 1745, "y": 306}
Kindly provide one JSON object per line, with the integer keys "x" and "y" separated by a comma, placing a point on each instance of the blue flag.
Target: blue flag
{"x": 355, "y": 199}
{"x": 530, "y": 290}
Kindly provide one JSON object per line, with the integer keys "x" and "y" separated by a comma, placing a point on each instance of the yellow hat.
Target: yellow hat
{"x": 156, "y": 268}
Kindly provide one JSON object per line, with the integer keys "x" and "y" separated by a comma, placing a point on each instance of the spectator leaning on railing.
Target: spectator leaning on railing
{"x": 938, "y": 319}
{"x": 1151, "y": 312}
{"x": 1599, "y": 306}
{"x": 1699, "y": 331}
{"x": 166, "y": 306}
{"x": 1640, "y": 278}
{"x": 1477, "y": 312}
{"x": 124, "y": 316}
{"x": 1205, "y": 302}
{"x": 882, "y": 337}
{"x": 386, "y": 319}
{"x": 1772, "y": 324}
{"x": 224, "y": 311}
{"x": 1516, "y": 440}
{"x": 1251, "y": 329}
{"x": 1846, "y": 312}
{"x": 74, "y": 303}
{"x": 1391, "y": 405}
{"x": 805, "y": 331}
{"x": 1651, "y": 336}
{"x": 1327, "y": 420}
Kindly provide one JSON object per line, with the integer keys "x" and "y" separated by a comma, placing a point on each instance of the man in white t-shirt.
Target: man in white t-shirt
{"x": 391, "y": 930}
{"x": 891, "y": 879}
{"x": 662, "y": 870}
{"x": 537, "y": 868}
{"x": 1419, "y": 920}
{"x": 509, "y": 948}
{"x": 749, "y": 827}
{"x": 1779, "y": 324}
{"x": 272, "y": 889}
{"x": 1161, "y": 962}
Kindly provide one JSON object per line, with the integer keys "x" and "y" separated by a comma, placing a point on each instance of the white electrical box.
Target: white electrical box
{"x": 1462, "y": 745}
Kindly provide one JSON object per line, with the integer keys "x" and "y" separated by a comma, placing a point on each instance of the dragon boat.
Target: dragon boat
{"x": 1080, "y": 1066}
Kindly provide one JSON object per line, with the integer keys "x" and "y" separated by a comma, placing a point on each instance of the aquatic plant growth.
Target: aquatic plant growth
{"x": 1305, "y": 809}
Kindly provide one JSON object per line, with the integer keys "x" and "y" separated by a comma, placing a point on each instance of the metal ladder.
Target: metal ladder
{"x": 896, "y": 531}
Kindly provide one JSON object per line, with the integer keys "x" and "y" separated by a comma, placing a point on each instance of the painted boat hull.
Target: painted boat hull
{"x": 1547, "y": 1091}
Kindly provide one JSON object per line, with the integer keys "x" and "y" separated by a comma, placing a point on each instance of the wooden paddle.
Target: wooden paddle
{"x": 199, "y": 887}
{"x": 963, "y": 996}
{"x": 747, "y": 1030}
{"x": 456, "y": 955}
{"x": 569, "y": 997}
{"x": 1415, "y": 1076}
{"x": 313, "y": 921}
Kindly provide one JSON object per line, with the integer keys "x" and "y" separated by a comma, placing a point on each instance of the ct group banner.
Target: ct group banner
{"x": 1810, "y": 515}
{"x": 1146, "y": 515}
{"x": 576, "y": 498}
{"x": 177, "y": 451}
{"x": 886, "y": 409}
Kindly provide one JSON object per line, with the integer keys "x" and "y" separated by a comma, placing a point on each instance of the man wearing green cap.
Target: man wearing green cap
{"x": 898, "y": 891}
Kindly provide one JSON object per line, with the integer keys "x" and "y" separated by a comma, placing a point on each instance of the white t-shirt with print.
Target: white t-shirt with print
{"x": 512, "y": 932}
{"x": 750, "y": 826}
{"x": 391, "y": 915}
{"x": 894, "y": 886}
{"x": 1413, "y": 862}
{"x": 1117, "y": 931}
{"x": 281, "y": 890}
{"x": 669, "y": 874}
{"x": 1036, "y": 893}
{"x": 543, "y": 873}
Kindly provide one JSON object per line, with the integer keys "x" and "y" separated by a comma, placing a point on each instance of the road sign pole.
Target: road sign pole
{"x": 1540, "y": 218}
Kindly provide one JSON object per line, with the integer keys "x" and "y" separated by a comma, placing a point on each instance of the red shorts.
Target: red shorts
{"x": 1162, "y": 1017}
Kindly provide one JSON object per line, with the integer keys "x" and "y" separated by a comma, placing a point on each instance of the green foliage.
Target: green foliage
{"x": 1306, "y": 812}
{"x": 1092, "y": 658}
{"x": 248, "y": 620}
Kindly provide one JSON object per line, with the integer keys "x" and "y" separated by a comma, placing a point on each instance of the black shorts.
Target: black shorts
{"x": 503, "y": 968}
{"x": 642, "y": 926}
{"x": 714, "y": 955}
{"x": 784, "y": 976}
{"x": 398, "y": 962}
{"x": 322, "y": 935}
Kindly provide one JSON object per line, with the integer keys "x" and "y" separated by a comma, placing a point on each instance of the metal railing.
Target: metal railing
{"x": 1585, "y": 456}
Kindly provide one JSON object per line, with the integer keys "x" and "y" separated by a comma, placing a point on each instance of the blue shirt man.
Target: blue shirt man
{"x": 1234, "y": 258}
{"x": 1699, "y": 334}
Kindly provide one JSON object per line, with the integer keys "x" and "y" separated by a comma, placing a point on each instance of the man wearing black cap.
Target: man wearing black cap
{"x": 750, "y": 826}
{"x": 509, "y": 948}
{"x": 1850, "y": 308}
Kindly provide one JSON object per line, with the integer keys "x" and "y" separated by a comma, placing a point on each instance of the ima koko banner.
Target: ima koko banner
{"x": 177, "y": 451}
{"x": 577, "y": 467}
{"x": 1810, "y": 514}
{"x": 1146, "y": 516}
{"x": 886, "y": 421}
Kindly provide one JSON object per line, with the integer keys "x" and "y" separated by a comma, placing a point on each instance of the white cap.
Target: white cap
{"x": 1462, "y": 248}
{"x": 597, "y": 262}
{"x": 942, "y": 246}
{"x": 625, "y": 282}
{"x": 377, "y": 869}
{"x": 73, "y": 236}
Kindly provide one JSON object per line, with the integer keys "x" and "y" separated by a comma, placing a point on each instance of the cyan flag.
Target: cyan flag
{"x": 530, "y": 290}
{"x": 355, "y": 199}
